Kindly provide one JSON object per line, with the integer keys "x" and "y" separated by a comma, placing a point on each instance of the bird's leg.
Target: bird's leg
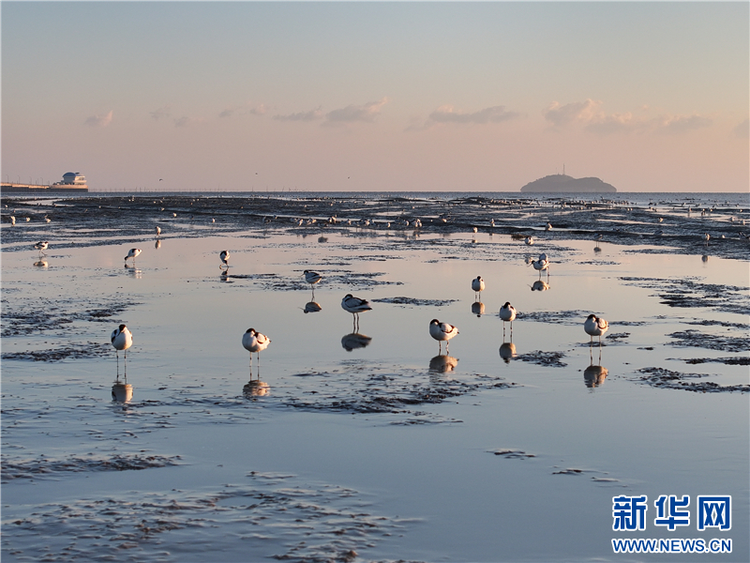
{"x": 126, "y": 363}
{"x": 118, "y": 363}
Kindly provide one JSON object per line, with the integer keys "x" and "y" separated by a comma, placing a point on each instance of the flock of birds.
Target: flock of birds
{"x": 255, "y": 342}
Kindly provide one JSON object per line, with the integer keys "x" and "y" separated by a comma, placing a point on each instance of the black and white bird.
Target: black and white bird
{"x": 158, "y": 230}
{"x": 224, "y": 257}
{"x": 254, "y": 341}
{"x": 312, "y": 277}
{"x": 442, "y": 332}
{"x": 595, "y": 326}
{"x": 508, "y": 315}
{"x": 121, "y": 339}
{"x": 477, "y": 284}
{"x": 41, "y": 246}
{"x": 529, "y": 241}
{"x": 541, "y": 264}
{"x": 133, "y": 253}
{"x": 355, "y": 306}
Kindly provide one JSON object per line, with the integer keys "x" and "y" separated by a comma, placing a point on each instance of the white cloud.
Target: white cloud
{"x": 366, "y": 113}
{"x": 494, "y": 114}
{"x": 311, "y": 115}
{"x": 248, "y": 108}
{"x": 589, "y": 115}
{"x": 742, "y": 130}
{"x": 100, "y": 120}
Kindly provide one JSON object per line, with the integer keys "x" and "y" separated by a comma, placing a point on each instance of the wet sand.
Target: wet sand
{"x": 348, "y": 443}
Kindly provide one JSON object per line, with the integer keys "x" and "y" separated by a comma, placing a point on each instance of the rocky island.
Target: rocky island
{"x": 560, "y": 183}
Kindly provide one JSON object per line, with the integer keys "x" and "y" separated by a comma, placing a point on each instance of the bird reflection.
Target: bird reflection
{"x": 224, "y": 275}
{"x": 122, "y": 392}
{"x": 355, "y": 340}
{"x": 255, "y": 388}
{"x": 540, "y": 285}
{"x": 41, "y": 263}
{"x": 157, "y": 244}
{"x": 312, "y": 307}
{"x": 133, "y": 271}
{"x": 507, "y": 351}
{"x": 477, "y": 308}
{"x": 704, "y": 258}
{"x": 443, "y": 363}
{"x": 594, "y": 376}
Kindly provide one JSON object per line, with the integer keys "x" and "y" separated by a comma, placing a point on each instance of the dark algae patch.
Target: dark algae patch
{"x": 668, "y": 379}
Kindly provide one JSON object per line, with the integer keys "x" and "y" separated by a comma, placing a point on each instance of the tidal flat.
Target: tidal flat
{"x": 366, "y": 443}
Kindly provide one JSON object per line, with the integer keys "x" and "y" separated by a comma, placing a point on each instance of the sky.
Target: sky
{"x": 376, "y": 96}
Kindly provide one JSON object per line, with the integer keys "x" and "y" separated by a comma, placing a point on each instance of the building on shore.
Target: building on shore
{"x": 71, "y": 182}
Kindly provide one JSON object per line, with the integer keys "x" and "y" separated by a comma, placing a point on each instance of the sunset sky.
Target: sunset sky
{"x": 376, "y": 96}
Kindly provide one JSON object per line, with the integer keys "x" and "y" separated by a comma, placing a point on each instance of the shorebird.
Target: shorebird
{"x": 312, "y": 277}
{"x": 158, "y": 230}
{"x": 477, "y": 284}
{"x": 508, "y": 315}
{"x": 224, "y": 257}
{"x": 548, "y": 227}
{"x": 12, "y": 220}
{"x": 132, "y": 253}
{"x": 595, "y": 326}
{"x": 41, "y": 246}
{"x": 254, "y": 341}
{"x": 529, "y": 241}
{"x": 121, "y": 339}
{"x": 355, "y": 306}
{"x": 706, "y": 238}
{"x": 541, "y": 264}
{"x": 442, "y": 332}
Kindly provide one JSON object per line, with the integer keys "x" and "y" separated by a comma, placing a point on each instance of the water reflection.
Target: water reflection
{"x": 443, "y": 363}
{"x": 477, "y": 308}
{"x": 157, "y": 244}
{"x": 312, "y": 307}
{"x": 355, "y": 340}
{"x": 255, "y": 388}
{"x": 507, "y": 351}
{"x": 134, "y": 271}
{"x": 540, "y": 285}
{"x": 704, "y": 258}
{"x": 122, "y": 392}
{"x": 41, "y": 263}
{"x": 594, "y": 376}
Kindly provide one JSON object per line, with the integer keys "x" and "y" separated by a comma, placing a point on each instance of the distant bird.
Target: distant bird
{"x": 121, "y": 339}
{"x": 312, "y": 277}
{"x": 508, "y": 315}
{"x": 224, "y": 257}
{"x": 706, "y": 238}
{"x": 477, "y": 284}
{"x": 595, "y": 326}
{"x": 442, "y": 332}
{"x": 529, "y": 241}
{"x": 41, "y": 246}
{"x": 158, "y": 230}
{"x": 254, "y": 341}
{"x": 12, "y": 220}
{"x": 548, "y": 227}
{"x": 133, "y": 253}
{"x": 47, "y": 219}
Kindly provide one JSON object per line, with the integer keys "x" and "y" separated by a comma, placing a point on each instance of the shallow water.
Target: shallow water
{"x": 376, "y": 448}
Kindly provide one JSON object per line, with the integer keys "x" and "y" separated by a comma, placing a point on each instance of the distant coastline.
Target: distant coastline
{"x": 561, "y": 183}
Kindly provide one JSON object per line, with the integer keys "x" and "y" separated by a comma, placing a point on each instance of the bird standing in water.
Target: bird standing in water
{"x": 477, "y": 284}
{"x": 133, "y": 253}
{"x": 254, "y": 341}
{"x": 121, "y": 339}
{"x": 595, "y": 326}
{"x": 442, "y": 332}
{"x": 508, "y": 315}
{"x": 224, "y": 257}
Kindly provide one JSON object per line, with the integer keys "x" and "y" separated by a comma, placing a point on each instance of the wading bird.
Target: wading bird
{"x": 508, "y": 315}
{"x": 442, "y": 332}
{"x": 121, "y": 339}
{"x": 41, "y": 246}
{"x": 355, "y": 306}
{"x": 254, "y": 341}
{"x": 477, "y": 284}
{"x": 224, "y": 257}
{"x": 133, "y": 253}
{"x": 595, "y": 326}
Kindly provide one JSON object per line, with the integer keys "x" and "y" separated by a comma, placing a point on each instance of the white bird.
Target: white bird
{"x": 312, "y": 277}
{"x": 548, "y": 227}
{"x": 121, "y": 339}
{"x": 442, "y": 332}
{"x": 47, "y": 219}
{"x": 541, "y": 264}
{"x": 706, "y": 237}
{"x": 529, "y": 241}
{"x": 132, "y": 253}
{"x": 508, "y": 315}
{"x": 224, "y": 257}
{"x": 12, "y": 220}
{"x": 158, "y": 230}
{"x": 254, "y": 341}
{"x": 41, "y": 246}
{"x": 477, "y": 284}
{"x": 595, "y": 326}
